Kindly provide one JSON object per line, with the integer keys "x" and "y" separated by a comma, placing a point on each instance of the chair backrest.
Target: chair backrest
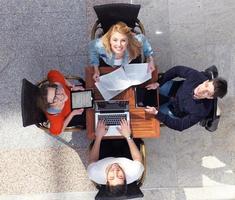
{"x": 211, "y": 122}
{"x": 120, "y": 148}
{"x": 31, "y": 114}
{"x": 211, "y": 72}
{"x": 133, "y": 191}
{"x": 109, "y": 14}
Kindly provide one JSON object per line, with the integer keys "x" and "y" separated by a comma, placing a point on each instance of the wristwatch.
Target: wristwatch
{"x": 129, "y": 137}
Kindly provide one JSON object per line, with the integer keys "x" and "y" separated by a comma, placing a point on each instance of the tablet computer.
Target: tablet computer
{"x": 81, "y": 99}
{"x": 144, "y": 97}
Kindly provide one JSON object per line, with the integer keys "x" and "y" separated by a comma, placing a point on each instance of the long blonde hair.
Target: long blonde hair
{"x": 133, "y": 47}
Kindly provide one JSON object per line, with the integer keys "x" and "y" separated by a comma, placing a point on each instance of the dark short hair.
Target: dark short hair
{"x": 220, "y": 87}
{"x": 117, "y": 190}
{"x": 42, "y": 97}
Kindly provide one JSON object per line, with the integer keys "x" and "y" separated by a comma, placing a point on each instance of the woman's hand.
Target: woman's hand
{"x": 77, "y": 88}
{"x": 152, "y": 86}
{"x": 101, "y": 129}
{"x": 96, "y": 75}
{"x": 77, "y": 112}
{"x": 124, "y": 128}
{"x": 151, "y": 110}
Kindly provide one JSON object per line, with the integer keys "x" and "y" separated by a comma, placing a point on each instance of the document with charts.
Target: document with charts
{"x": 110, "y": 85}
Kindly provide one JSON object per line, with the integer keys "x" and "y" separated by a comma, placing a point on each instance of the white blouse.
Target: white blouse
{"x": 97, "y": 170}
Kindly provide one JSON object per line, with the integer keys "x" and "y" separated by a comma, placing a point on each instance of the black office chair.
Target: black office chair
{"x": 119, "y": 148}
{"x": 210, "y": 122}
{"x": 109, "y": 14}
{"x": 31, "y": 114}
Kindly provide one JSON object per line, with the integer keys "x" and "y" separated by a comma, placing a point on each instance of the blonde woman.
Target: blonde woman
{"x": 119, "y": 46}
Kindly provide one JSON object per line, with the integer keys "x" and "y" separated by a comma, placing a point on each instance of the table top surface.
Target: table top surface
{"x": 143, "y": 125}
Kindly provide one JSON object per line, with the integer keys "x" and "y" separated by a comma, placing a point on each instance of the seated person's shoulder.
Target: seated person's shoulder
{"x": 139, "y": 36}
{"x": 132, "y": 168}
{"x": 55, "y": 72}
{"x": 56, "y": 123}
{"x": 131, "y": 164}
{"x": 107, "y": 161}
{"x": 101, "y": 162}
{"x": 96, "y": 43}
{"x": 55, "y": 76}
{"x": 97, "y": 170}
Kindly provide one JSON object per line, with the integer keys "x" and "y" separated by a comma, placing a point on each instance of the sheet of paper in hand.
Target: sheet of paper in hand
{"x": 110, "y": 85}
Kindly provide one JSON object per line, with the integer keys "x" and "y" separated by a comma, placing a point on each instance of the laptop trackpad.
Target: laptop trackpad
{"x": 112, "y": 131}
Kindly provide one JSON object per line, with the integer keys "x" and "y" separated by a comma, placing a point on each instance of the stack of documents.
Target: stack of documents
{"x": 110, "y": 85}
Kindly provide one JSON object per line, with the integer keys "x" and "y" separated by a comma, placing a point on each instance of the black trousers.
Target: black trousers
{"x": 116, "y": 148}
{"x": 78, "y": 120}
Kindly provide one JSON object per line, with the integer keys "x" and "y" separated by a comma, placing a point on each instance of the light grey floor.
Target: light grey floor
{"x": 39, "y": 35}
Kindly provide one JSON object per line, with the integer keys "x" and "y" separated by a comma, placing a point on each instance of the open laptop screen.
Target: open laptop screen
{"x": 112, "y": 112}
{"x": 112, "y": 105}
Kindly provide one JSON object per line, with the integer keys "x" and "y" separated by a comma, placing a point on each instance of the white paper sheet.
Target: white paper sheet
{"x": 107, "y": 94}
{"x": 116, "y": 80}
{"x": 137, "y": 73}
{"x": 110, "y": 85}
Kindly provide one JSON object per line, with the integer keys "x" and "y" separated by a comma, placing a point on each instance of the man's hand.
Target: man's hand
{"x": 101, "y": 129}
{"x": 151, "y": 110}
{"x": 77, "y": 112}
{"x": 152, "y": 86}
{"x": 124, "y": 128}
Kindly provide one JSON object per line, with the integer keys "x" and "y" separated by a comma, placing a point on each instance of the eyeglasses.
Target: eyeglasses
{"x": 57, "y": 93}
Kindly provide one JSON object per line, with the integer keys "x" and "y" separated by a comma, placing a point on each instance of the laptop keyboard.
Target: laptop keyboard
{"x": 112, "y": 119}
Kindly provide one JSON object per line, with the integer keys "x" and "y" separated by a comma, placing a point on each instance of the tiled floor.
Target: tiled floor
{"x": 192, "y": 165}
{"x": 39, "y": 35}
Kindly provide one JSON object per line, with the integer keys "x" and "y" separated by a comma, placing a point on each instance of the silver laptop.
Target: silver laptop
{"x": 112, "y": 112}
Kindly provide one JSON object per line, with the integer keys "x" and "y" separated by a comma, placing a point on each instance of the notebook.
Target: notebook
{"x": 81, "y": 99}
{"x": 112, "y": 112}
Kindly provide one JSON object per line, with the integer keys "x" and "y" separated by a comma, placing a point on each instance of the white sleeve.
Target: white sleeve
{"x": 138, "y": 169}
{"x": 96, "y": 174}
{"x": 133, "y": 170}
{"x": 96, "y": 170}
{"x": 91, "y": 171}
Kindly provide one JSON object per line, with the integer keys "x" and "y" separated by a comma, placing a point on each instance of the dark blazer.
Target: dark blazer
{"x": 188, "y": 110}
